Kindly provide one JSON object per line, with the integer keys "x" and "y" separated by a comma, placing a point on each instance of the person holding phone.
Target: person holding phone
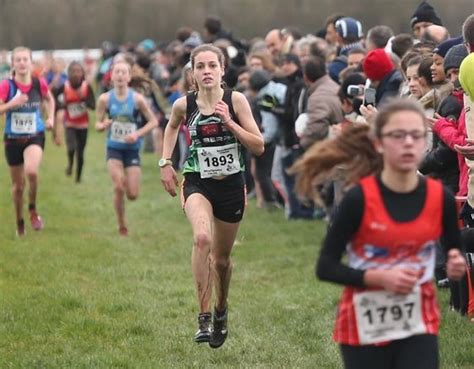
{"x": 351, "y": 95}
{"x": 388, "y": 223}
{"x": 213, "y": 191}
{"x": 370, "y": 94}
{"x": 383, "y": 76}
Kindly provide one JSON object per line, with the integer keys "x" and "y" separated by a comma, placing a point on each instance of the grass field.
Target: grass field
{"x": 76, "y": 295}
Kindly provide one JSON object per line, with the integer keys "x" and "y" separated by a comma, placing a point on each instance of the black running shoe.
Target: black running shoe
{"x": 20, "y": 228}
{"x": 204, "y": 332}
{"x": 219, "y": 328}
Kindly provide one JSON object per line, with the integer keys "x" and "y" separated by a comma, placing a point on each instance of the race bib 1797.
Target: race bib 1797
{"x": 385, "y": 316}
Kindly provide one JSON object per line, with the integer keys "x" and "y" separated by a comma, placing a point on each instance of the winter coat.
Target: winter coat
{"x": 389, "y": 87}
{"x": 324, "y": 109}
{"x": 441, "y": 161}
{"x": 295, "y": 86}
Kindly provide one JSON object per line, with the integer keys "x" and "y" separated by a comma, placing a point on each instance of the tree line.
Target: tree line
{"x": 58, "y": 24}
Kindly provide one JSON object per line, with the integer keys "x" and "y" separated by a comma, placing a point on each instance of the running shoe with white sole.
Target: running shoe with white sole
{"x": 204, "y": 332}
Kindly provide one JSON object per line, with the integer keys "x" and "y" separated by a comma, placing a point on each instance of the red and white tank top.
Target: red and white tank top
{"x": 374, "y": 315}
{"x": 76, "y": 115}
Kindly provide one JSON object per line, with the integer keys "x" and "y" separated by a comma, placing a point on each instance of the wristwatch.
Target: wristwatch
{"x": 164, "y": 162}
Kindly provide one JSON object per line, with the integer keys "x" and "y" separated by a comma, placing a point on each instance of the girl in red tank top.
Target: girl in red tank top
{"x": 73, "y": 100}
{"x": 388, "y": 224}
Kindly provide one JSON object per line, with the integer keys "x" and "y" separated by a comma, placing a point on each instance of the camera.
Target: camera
{"x": 355, "y": 90}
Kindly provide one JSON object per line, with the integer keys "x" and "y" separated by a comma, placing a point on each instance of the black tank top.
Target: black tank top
{"x": 208, "y": 131}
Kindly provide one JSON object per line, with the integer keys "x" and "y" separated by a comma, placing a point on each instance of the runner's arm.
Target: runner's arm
{"x": 17, "y": 100}
{"x": 101, "y": 121}
{"x": 151, "y": 121}
{"x": 59, "y": 98}
{"x": 90, "y": 101}
{"x": 169, "y": 179}
{"x": 50, "y": 109}
{"x": 346, "y": 222}
{"x": 247, "y": 131}
{"x": 178, "y": 113}
{"x": 6, "y": 106}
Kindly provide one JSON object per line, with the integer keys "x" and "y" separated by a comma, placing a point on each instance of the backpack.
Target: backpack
{"x": 271, "y": 104}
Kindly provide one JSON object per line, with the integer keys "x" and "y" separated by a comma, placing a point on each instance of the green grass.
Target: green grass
{"x": 76, "y": 295}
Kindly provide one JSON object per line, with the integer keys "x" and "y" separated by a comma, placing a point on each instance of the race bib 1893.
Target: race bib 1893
{"x": 219, "y": 160}
{"x": 384, "y": 316}
{"x": 119, "y": 130}
{"x": 23, "y": 123}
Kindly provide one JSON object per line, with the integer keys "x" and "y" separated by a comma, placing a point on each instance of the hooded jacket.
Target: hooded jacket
{"x": 389, "y": 87}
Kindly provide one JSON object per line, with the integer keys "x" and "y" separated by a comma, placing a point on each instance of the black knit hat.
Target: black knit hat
{"x": 425, "y": 13}
{"x": 259, "y": 79}
{"x": 454, "y": 57}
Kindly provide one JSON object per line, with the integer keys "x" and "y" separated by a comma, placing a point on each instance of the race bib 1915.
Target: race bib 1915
{"x": 219, "y": 160}
{"x": 23, "y": 123}
{"x": 119, "y": 130}
{"x": 385, "y": 316}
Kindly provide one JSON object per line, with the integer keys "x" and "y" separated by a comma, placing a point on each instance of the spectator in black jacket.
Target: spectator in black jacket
{"x": 441, "y": 162}
{"x": 378, "y": 67}
{"x": 295, "y": 104}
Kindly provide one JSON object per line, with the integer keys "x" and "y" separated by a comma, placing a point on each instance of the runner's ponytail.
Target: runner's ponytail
{"x": 352, "y": 152}
{"x": 353, "y": 149}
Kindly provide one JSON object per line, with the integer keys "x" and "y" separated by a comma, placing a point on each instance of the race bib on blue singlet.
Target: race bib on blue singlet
{"x": 119, "y": 130}
{"x": 23, "y": 123}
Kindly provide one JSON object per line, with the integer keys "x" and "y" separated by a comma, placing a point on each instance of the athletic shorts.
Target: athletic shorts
{"x": 129, "y": 158}
{"x": 419, "y": 351}
{"x": 227, "y": 196}
{"x": 14, "y": 147}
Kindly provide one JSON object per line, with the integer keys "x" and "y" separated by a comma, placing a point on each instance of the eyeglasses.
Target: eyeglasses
{"x": 401, "y": 135}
